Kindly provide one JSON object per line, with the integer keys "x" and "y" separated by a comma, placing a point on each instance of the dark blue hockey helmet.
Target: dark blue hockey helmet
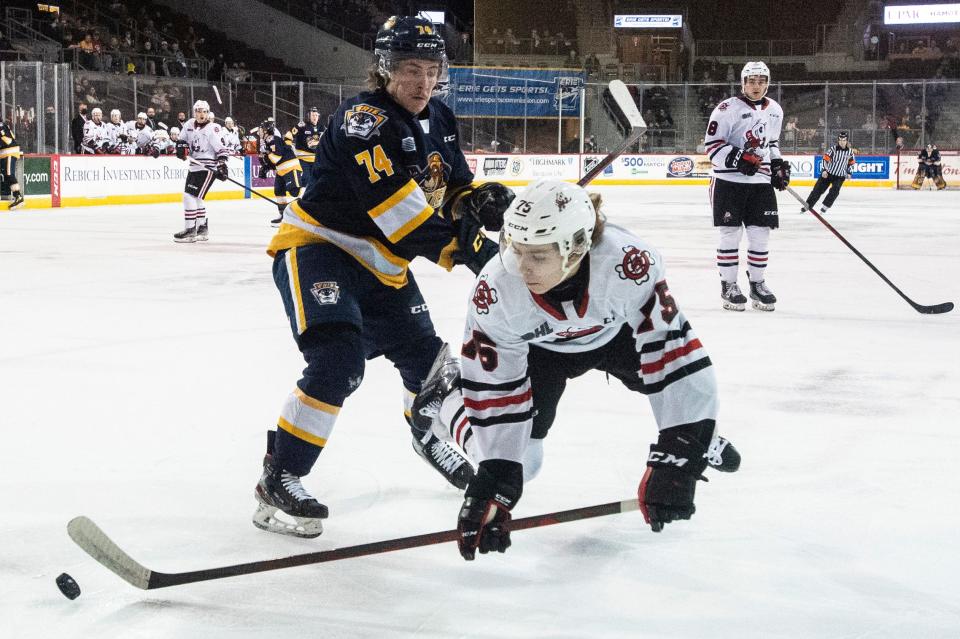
{"x": 405, "y": 38}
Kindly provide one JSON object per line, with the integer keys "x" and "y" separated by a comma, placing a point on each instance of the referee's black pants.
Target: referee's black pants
{"x": 833, "y": 182}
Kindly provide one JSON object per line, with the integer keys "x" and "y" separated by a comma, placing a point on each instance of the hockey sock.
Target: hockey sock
{"x": 189, "y": 219}
{"x": 728, "y": 252}
{"x": 201, "y": 217}
{"x": 758, "y": 238}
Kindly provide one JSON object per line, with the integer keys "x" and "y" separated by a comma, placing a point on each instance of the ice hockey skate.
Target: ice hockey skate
{"x": 280, "y": 490}
{"x": 733, "y": 298}
{"x": 430, "y": 439}
{"x": 762, "y": 297}
{"x": 17, "y": 200}
{"x": 186, "y": 235}
{"x": 824, "y": 209}
{"x": 202, "y": 231}
{"x": 722, "y": 455}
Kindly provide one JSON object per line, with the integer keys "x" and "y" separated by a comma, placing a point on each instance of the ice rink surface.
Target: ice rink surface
{"x": 138, "y": 378}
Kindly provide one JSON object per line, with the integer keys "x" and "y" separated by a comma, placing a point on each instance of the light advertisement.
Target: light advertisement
{"x": 503, "y": 92}
{"x": 868, "y": 167}
{"x": 921, "y": 13}
{"x": 647, "y": 21}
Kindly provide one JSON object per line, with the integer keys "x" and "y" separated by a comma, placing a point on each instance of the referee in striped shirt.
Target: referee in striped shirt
{"x": 836, "y": 167}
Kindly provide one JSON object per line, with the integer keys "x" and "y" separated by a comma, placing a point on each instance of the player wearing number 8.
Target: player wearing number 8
{"x": 571, "y": 294}
{"x": 742, "y": 142}
{"x": 387, "y": 186}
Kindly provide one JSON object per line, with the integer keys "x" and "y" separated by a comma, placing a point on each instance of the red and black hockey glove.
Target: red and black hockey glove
{"x": 744, "y": 160}
{"x": 491, "y": 494}
{"x": 779, "y": 174}
{"x": 181, "y": 149}
{"x": 675, "y": 464}
{"x": 221, "y": 172}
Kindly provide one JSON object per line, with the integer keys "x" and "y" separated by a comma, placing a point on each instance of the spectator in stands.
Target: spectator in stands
{"x": 149, "y": 62}
{"x": 215, "y": 74}
{"x": 592, "y": 65}
{"x": 683, "y": 61}
{"x": 152, "y": 118}
{"x": 572, "y": 61}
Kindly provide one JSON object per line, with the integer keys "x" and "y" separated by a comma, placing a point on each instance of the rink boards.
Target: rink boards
{"x": 93, "y": 180}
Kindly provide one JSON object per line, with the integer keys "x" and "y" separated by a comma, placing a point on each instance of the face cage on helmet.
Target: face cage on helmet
{"x": 579, "y": 247}
{"x": 387, "y": 62}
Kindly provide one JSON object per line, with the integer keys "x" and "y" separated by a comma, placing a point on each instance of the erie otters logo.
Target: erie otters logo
{"x": 484, "y": 297}
{"x": 363, "y": 121}
{"x": 635, "y": 265}
{"x": 326, "y": 292}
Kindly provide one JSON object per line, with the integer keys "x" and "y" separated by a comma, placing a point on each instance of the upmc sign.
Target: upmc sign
{"x": 921, "y": 13}
{"x": 648, "y": 21}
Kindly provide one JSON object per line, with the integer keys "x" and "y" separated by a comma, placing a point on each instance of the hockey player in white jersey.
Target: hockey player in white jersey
{"x": 115, "y": 129}
{"x": 139, "y": 134}
{"x": 96, "y": 136}
{"x": 571, "y": 294}
{"x": 231, "y": 136}
{"x": 203, "y": 141}
{"x": 742, "y": 143}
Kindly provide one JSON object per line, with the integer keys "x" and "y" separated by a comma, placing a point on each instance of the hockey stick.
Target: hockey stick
{"x": 618, "y": 102}
{"x": 95, "y": 543}
{"x": 240, "y": 184}
{"x": 935, "y": 309}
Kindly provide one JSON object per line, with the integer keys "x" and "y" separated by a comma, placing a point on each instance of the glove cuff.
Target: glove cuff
{"x": 683, "y": 447}
{"x": 498, "y": 480}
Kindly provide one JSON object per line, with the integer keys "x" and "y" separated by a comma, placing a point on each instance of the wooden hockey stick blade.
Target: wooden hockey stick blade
{"x": 98, "y": 545}
{"x": 619, "y": 104}
{"x": 933, "y": 309}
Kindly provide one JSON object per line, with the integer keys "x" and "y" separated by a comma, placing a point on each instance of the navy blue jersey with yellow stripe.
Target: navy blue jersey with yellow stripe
{"x": 306, "y": 139}
{"x": 281, "y": 154}
{"x": 380, "y": 176}
{"x": 8, "y": 144}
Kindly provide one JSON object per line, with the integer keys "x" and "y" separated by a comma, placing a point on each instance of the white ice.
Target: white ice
{"x": 138, "y": 378}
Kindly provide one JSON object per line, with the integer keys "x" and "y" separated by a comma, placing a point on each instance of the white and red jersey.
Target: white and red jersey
{"x": 738, "y": 123}
{"x": 138, "y": 135}
{"x": 94, "y": 136}
{"x": 206, "y": 143}
{"x": 231, "y": 140}
{"x": 626, "y": 286}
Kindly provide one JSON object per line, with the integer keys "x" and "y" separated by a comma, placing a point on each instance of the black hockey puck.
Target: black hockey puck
{"x": 67, "y": 585}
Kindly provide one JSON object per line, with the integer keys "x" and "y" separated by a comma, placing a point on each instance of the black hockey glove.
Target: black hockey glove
{"x": 154, "y": 151}
{"x": 474, "y": 249}
{"x": 486, "y": 203}
{"x": 744, "y": 160}
{"x": 491, "y": 494}
{"x": 221, "y": 172}
{"x": 181, "y": 149}
{"x": 779, "y": 174}
{"x": 675, "y": 464}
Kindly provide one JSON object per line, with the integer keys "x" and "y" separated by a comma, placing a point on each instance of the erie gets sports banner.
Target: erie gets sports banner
{"x": 505, "y": 93}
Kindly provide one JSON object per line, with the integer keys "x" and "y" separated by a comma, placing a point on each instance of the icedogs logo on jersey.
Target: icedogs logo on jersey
{"x": 326, "y": 292}
{"x": 484, "y": 297}
{"x": 635, "y": 265}
{"x": 363, "y": 121}
{"x": 757, "y": 136}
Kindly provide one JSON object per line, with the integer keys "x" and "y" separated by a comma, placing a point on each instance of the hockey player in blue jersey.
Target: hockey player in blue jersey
{"x": 277, "y": 154}
{"x": 389, "y": 183}
{"x": 306, "y": 139}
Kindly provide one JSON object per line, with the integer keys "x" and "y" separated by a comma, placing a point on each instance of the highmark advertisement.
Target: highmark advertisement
{"x": 534, "y": 93}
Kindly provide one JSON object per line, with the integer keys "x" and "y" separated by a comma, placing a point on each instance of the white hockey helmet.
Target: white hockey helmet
{"x": 141, "y": 116}
{"x": 755, "y": 68}
{"x": 201, "y": 104}
{"x": 549, "y": 212}
{"x": 174, "y": 129}
{"x": 160, "y": 134}
{"x": 97, "y": 111}
{"x": 115, "y": 112}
